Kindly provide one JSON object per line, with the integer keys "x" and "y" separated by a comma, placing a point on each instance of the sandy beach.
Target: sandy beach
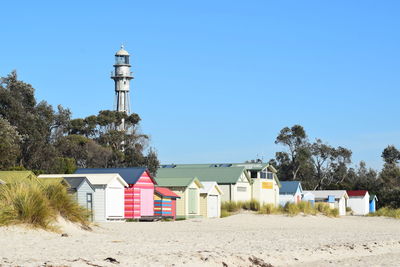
{"x": 239, "y": 240}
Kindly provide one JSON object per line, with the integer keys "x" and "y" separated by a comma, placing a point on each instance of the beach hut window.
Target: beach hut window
{"x": 241, "y": 189}
{"x": 253, "y": 174}
{"x": 331, "y": 199}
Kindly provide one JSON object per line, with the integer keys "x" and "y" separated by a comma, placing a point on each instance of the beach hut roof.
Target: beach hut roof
{"x": 93, "y": 178}
{"x": 289, "y": 187}
{"x": 221, "y": 175}
{"x": 131, "y": 175}
{"x": 323, "y": 194}
{"x": 178, "y": 182}
{"x": 247, "y": 166}
{"x": 372, "y": 197}
{"x": 165, "y": 192}
{"x": 356, "y": 193}
{"x": 251, "y": 166}
{"x": 14, "y": 176}
{"x": 208, "y": 187}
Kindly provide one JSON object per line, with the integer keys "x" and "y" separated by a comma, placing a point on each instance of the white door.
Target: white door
{"x": 115, "y": 202}
{"x": 212, "y": 206}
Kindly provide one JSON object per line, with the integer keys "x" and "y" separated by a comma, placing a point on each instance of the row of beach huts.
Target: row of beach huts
{"x": 188, "y": 190}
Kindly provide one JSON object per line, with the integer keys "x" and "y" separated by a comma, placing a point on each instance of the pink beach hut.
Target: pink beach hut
{"x": 139, "y": 195}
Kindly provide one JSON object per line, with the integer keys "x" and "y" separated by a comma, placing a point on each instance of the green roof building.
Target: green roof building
{"x": 238, "y": 181}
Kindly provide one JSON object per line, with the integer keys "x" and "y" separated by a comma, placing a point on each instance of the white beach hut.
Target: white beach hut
{"x": 336, "y": 198}
{"x": 358, "y": 201}
{"x": 108, "y": 197}
{"x": 210, "y": 200}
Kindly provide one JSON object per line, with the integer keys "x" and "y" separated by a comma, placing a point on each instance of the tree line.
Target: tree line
{"x": 35, "y": 136}
{"x": 320, "y": 166}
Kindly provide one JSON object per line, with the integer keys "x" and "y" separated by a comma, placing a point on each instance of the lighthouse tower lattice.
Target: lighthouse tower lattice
{"x": 122, "y": 75}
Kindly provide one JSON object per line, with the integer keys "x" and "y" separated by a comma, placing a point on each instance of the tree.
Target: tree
{"x": 391, "y": 155}
{"x": 295, "y": 139}
{"x": 9, "y": 144}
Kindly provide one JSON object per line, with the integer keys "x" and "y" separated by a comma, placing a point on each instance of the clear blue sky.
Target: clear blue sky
{"x": 215, "y": 81}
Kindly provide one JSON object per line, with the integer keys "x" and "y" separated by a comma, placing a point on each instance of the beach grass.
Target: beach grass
{"x": 229, "y": 208}
{"x": 387, "y": 212}
{"x": 39, "y": 205}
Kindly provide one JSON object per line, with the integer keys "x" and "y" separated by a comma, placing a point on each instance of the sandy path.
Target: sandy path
{"x": 278, "y": 240}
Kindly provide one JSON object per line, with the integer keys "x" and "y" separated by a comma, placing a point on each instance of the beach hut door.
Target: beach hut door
{"x": 192, "y": 200}
{"x": 89, "y": 204}
{"x": 146, "y": 202}
{"x": 212, "y": 206}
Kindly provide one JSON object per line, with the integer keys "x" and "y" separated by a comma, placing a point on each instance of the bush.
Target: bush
{"x": 268, "y": 209}
{"x": 39, "y": 205}
{"x": 291, "y": 209}
{"x": 225, "y": 213}
{"x": 64, "y": 204}
{"x": 333, "y": 213}
{"x": 25, "y": 203}
{"x": 231, "y": 206}
{"x": 253, "y": 205}
{"x": 387, "y": 212}
{"x": 322, "y": 207}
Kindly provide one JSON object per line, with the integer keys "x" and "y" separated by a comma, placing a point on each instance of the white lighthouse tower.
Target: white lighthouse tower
{"x": 122, "y": 76}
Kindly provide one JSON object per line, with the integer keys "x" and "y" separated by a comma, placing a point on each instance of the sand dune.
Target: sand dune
{"x": 240, "y": 240}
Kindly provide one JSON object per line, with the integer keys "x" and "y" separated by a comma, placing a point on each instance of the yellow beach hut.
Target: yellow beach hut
{"x": 188, "y": 189}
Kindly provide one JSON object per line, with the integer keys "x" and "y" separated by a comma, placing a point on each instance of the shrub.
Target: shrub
{"x": 268, "y": 209}
{"x": 231, "y": 206}
{"x": 64, "y": 204}
{"x": 225, "y": 213}
{"x": 253, "y": 205}
{"x": 25, "y": 203}
{"x": 39, "y": 204}
{"x": 322, "y": 207}
{"x": 306, "y": 208}
{"x": 291, "y": 209}
{"x": 333, "y": 213}
{"x": 387, "y": 212}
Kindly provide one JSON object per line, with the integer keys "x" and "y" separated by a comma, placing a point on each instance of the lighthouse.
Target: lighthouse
{"x": 122, "y": 76}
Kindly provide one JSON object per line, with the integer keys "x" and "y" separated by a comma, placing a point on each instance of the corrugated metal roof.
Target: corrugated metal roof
{"x": 131, "y": 175}
{"x": 14, "y": 176}
{"x": 289, "y": 187}
{"x": 208, "y": 187}
{"x": 356, "y": 193}
{"x": 247, "y": 166}
{"x": 323, "y": 194}
{"x": 221, "y": 175}
{"x": 93, "y": 178}
{"x": 165, "y": 192}
{"x": 177, "y": 182}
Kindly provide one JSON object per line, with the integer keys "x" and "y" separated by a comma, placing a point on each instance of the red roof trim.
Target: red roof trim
{"x": 166, "y": 192}
{"x": 357, "y": 193}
